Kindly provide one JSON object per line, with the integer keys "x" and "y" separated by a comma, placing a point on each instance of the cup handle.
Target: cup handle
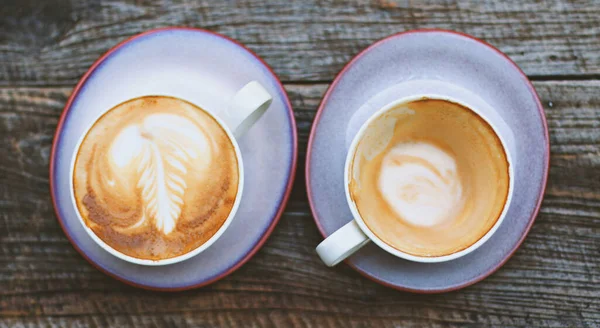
{"x": 245, "y": 108}
{"x": 342, "y": 243}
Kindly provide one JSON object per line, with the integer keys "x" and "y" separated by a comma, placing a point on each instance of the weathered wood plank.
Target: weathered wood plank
{"x": 553, "y": 280}
{"x": 54, "y": 42}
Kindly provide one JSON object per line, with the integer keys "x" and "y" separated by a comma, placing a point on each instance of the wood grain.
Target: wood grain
{"x": 54, "y": 42}
{"x": 552, "y": 281}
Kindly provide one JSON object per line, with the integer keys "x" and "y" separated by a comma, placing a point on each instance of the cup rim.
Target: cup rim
{"x": 378, "y": 241}
{"x": 179, "y": 258}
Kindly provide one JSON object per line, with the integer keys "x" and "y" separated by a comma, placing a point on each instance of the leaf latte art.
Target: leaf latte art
{"x": 429, "y": 177}
{"x": 155, "y": 177}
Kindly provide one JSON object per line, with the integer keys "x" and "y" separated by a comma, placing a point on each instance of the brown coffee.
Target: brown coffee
{"x": 429, "y": 177}
{"x": 155, "y": 177}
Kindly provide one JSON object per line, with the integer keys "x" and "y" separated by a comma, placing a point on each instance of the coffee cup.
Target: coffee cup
{"x": 156, "y": 180}
{"x": 428, "y": 178}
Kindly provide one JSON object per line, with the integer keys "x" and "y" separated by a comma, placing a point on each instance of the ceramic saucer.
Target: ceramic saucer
{"x": 376, "y": 77}
{"x": 207, "y": 69}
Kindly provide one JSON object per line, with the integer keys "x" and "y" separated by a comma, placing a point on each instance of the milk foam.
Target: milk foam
{"x": 160, "y": 151}
{"x": 155, "y": 177}
{"x": 420, "y": 183}
{"x": 429, "y": 177}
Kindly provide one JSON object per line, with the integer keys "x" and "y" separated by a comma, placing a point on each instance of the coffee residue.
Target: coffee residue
{"x": 438, "y": 186}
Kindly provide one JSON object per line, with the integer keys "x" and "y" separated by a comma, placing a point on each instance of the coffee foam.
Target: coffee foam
{"x": 155, "y": 177}
{"x": 420, "y": 183}
{"x": 438, "y": 183}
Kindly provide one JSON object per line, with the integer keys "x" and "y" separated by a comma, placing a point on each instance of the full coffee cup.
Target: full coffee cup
{"x": 156, "y": 180}
{"x": 427, "y": 178}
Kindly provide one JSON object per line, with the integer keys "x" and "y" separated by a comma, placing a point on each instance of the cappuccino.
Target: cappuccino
{"x": 429, "y": 177}
{"x": 155, "y": 177}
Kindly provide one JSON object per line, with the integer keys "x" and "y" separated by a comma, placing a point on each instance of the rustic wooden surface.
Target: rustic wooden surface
{"x": 552, "y": 281}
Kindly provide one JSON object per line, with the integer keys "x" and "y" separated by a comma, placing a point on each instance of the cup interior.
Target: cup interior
{"x": 368, "y": 128}
{"x": 176, "y": 259}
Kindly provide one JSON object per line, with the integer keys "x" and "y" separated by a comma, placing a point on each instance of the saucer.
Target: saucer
{"x": 379, "y": 75}
{"x": 207, "y": 69}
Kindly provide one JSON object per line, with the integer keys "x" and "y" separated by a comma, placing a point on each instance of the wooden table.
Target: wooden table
{"x": 552, "y": 281}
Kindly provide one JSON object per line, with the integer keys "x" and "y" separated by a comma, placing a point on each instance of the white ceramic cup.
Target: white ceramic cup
{"x": 245, "y": 109}
{"x": 355, "y": 234}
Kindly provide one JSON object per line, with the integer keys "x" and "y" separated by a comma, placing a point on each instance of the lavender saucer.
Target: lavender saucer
{"x": 207, "y": 69}
{"x": 374, "y": 78}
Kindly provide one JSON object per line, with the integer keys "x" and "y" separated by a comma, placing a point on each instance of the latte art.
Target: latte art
{"x": 155, "y": 177}
{"x": 159, "y": 152}
{"x": 420, "y": 183}
{"x": 429, "y": 178}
